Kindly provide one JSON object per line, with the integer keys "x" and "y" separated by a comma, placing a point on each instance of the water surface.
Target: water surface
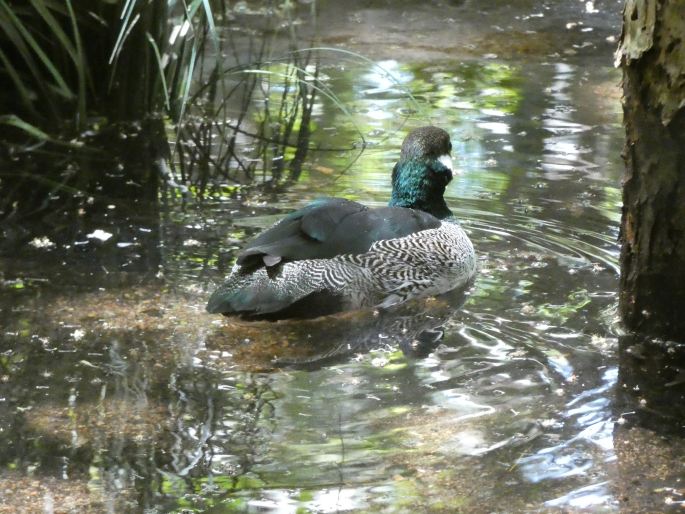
{"x": 118, "y": 393}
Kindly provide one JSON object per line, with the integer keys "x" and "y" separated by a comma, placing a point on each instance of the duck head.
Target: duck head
{"x": 425, "y": 168}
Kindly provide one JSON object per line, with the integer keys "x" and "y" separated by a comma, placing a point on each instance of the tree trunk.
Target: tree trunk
{"x": 652, "y": 56}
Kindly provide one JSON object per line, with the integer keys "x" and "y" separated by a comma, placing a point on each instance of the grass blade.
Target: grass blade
{"x": 18, "y": 83}
{"x": 81, "y": 66}
{"x": 126, "y": 12}
{"x": 210, "y": 19}
{"x": 16, "y": 122}
{"x": 15, "y": 39}
{"x": 160, "y": 68}
{"x": 186, "y": 85}
{"x": 64, "y": 89}
{"x": 56, "y": 28}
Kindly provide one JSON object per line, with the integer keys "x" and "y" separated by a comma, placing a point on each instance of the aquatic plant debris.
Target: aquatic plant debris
{"x": 100, "y": 235}
{"x": 42, "y": 242}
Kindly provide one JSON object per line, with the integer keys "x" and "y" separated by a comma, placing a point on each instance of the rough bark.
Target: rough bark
{"x": 652, "y": 56}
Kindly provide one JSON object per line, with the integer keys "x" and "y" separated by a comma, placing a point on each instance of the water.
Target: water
{"x": 119, "y": 394}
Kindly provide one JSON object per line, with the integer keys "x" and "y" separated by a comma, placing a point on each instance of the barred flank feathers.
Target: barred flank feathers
{"x": 258, "y": 293}
{"x": 424, "y": 263}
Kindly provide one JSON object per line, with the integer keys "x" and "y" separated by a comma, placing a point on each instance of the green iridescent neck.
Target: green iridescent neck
{"x": 420, "y": 184}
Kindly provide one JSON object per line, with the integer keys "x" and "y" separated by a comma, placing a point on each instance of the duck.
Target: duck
{"x": 336, "y": 255}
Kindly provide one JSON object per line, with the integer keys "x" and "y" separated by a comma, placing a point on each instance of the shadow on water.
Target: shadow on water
{"x": 650, "y": 429}
{"x": 119, "y": 394}
{"x": 94, "y": 207}
{"x": 414, "y": 328}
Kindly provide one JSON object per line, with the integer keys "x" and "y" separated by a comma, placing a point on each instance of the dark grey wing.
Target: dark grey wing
{"x": 302, "y": 234}
{"x": 330, "y": 227}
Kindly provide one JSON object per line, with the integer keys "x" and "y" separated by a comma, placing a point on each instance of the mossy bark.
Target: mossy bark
{"x": 652, "y": 56}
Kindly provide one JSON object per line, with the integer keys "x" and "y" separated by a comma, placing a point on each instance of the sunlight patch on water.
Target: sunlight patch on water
{"x": 588, "y": 497}
{"x": 415, "y": 410}
{"x": 494, "y": 127}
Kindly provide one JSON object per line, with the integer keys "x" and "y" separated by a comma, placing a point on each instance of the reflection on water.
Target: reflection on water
{"x": 118, "y": 395}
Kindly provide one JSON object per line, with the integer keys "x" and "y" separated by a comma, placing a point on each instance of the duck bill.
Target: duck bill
{"x": 446, "y": 161}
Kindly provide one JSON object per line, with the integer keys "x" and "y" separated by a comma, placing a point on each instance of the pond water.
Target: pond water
{"x": 118, "y": 393}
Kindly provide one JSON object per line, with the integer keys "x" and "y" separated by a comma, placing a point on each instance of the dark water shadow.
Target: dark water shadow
{"x": 651, "y": 385}
{"x": 415, "y": 328}
{"x": 649, "y": 433}
{"x": 95, "y": 208}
